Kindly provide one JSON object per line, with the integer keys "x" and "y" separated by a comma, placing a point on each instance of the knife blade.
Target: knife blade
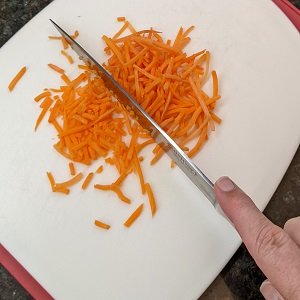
{"x": 159, "y": 135}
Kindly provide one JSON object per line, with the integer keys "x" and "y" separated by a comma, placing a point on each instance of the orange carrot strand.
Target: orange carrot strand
{"x": 72, "y": 168}
{"x": 16, "y": 79}
{"x": 151, "y": 198}
{"x": 87, "y": 181}
{"x": 101, "y": 224}
{"x": 133, "y": 217}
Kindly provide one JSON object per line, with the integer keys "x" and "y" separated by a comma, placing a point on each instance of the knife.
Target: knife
{"x": 158, "y": 134}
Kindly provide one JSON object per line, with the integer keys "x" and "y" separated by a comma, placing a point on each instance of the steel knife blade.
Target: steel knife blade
{"x": 159, "y": 135}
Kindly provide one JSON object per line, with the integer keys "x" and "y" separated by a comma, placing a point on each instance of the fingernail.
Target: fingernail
{"x": 225, "y": 184}
{"x": 269, "y": 292}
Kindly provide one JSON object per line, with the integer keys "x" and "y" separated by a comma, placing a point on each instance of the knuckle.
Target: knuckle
{"x": 270, "y": 239}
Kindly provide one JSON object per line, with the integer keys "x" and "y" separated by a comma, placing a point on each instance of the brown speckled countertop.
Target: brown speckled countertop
{"x": 241, "y": 278}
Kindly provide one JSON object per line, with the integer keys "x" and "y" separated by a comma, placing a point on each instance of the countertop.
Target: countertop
{"x": 241, "y": 278}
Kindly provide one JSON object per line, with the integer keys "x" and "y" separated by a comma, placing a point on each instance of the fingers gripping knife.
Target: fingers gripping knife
{"x": 159, "y": 135}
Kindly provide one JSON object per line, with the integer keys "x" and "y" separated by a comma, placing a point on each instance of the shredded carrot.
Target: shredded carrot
{"x": 60, "y": 38}
{"x": 72, "y": 168}
{"x": 54, "y": 187}
{"x": 63, "y": 40}
{"x": 70, "y": 182}
{"x": 66, "y": 79}
{"x": 166, "y": 82}
{"x": 87, "y": 180}
{"x": 52, "y": 37}
{"x": 51, "y": 180}
{"x": 122, "y": 29}
{"x": 115, "y": 189}
{"x": 65, "y": 43}
{"x": 56, "y": 68}
{"x": 134, "y": 216}
{"x": 215, "y": 83}
{"x": 216, "y": 118}
{"x": 122, "y": 197}
{"x": 75, "y": 35}
{"x": 42, "y": 95}
{"x": 68, "y": 57}
{"x": 61, "y": 190}
{"x": 161, "y": 77}
{"x": 16, "y": 79}
{"x": 139, "y": 172}
{"x": 84, "y": 67}
{"x": 46, "y": 104}
{"x": 100, "y": 169}
{"x": 101, "y": 224}
{"x": 151, "y": 198}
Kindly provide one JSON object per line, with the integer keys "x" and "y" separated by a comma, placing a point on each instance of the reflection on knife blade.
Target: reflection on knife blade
{"x": 159, "y": 135}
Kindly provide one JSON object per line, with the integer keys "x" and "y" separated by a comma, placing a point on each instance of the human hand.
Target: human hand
{"x": 276, "y": 251}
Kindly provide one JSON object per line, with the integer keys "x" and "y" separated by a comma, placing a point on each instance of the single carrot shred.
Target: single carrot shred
{"x": 100, "y": 169}
{"x": 139, "y": 172}
{"x": 115, "y": 189}
{"x": 42, "y": 95}
{"x": 69, "y": 182}
{"x": 87, "y": 181}
{"x": 151, "y": 198}
{"x": 67, "y": 56}
{"x": 65, "y": 43}
{"x": 215, "y": 83}
{"x": 216, "y": 118}
{"x": 75, "y": 35}
{"x": 16, "y": 79}
{"x": 62, "y": 190}
{"x": 121, "y": 19}
{"x": 122, "y": 29}
{"x": 84, "y": 67}
{"x": 52, "y": 37}
{"x": 45, "y": 107}
{"x": 51, "y": 180}
{"x": 101, "y": 224}
{"x": 56, "y": 68}
{"x": 133, "y": 217}
{"x": 72, "y": 168}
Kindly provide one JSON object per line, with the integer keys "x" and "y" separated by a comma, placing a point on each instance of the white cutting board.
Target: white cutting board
{"x": 177, "y": 254}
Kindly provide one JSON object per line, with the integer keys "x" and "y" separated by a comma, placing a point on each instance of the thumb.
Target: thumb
{"x": 274, "y": 251}
{"x": 236, "y": 204}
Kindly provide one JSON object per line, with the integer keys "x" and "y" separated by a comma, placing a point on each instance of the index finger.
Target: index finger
{"x": 271, "y": 247}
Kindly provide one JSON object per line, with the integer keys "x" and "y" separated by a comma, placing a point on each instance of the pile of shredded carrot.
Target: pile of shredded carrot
{"x": 91, "y": 124}
{"x": 166, "y": 82}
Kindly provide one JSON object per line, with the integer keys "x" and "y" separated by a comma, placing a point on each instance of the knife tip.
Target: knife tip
{"x": 52, "y": 22}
